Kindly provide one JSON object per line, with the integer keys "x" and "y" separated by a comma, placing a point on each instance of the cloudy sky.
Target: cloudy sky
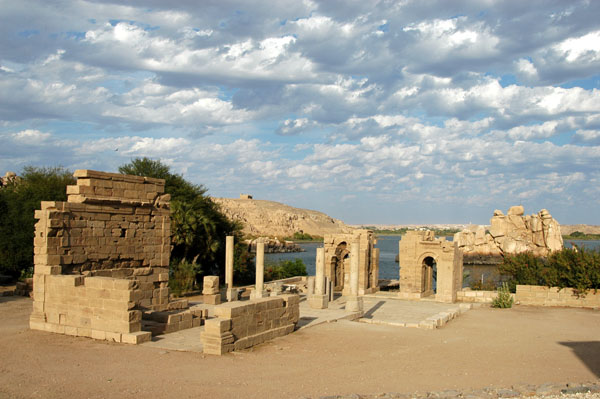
{"x": 371, "y": 111}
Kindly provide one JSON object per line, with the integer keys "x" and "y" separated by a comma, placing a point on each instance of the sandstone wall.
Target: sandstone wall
{"x": 95, "y": 307}
{"x": 268, "y": 218}
{"x": 113, "y": 226}
{"x": 553, "y": 296}
{"x": 511, "y": 234}
{"x": 240, "y": 325}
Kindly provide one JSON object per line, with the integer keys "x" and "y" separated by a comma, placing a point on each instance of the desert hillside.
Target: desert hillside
{"x": 269, "y": 218}
{"x": 567, "y": 229}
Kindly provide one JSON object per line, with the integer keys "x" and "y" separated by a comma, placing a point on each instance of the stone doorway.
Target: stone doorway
{"x": 428, "y": 276}
{"x": 338, "y": 263}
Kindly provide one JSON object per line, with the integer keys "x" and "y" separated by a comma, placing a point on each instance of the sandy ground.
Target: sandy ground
{"x": 482, "y": 348}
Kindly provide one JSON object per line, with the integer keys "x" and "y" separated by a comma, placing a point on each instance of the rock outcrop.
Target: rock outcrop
{"x": 268, "y": 218}
{"x": 510, "y": 234}
{"x": 9, "y": 177}
{"x": 273, "y": 245}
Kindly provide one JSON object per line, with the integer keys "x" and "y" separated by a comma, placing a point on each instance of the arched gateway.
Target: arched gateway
{"x": 337, "y": 261}
{"x": 421, "y": 256}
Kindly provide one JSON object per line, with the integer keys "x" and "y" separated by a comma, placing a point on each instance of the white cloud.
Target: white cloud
{"x": 578, "y": 48}
{"x": 30, "y": 136}
{"x": 393, "y": 102}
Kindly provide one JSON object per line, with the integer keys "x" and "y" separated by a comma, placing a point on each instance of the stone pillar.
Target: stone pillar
{"x": 231, "y": 293}
{"x": 310, "y": 286}
{"x": 320, "y": 272}
{"x": 259, "y": 289}
{"x": 354, "y": 303}
{"x": 210, "y": 290}
{"x": 329, "y": 289}
{"x": 319, "y": 300}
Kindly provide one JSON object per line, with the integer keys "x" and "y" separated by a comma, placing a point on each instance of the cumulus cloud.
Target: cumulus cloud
{"x": 443, "y": 103}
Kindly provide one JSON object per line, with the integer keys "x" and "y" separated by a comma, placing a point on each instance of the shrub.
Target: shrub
{"x": 478, "y": 285}
{"x": 285, "y": 269}
{"x": 504, "y": 299}
{"x": 182, "y": 277}
{"x": 577, "y": 268}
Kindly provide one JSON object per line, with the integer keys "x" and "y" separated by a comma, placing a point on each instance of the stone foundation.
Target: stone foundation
{"x": 240, "y": 325}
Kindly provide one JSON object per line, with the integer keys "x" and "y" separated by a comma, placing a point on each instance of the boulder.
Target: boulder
{"x": 511, "y": 234}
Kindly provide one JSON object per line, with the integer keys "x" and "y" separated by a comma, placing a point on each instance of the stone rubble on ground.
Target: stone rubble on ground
{"x": 589, "y": 390}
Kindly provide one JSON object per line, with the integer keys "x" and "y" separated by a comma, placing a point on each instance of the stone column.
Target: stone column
{"x": 260, "y": 271}
{"x": 310, "y": 286}
{"x": 320, "y": 272}
{"x": 231, "y": 293}
{"x": 319, "y": 300}
{"x": 354, "y": 303}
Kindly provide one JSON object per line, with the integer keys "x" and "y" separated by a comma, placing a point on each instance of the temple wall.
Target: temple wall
{"x": 103, "y": 256}
{"x": 240, "y": 325}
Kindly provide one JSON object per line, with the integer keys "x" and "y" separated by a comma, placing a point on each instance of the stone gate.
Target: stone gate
{"x": 337, "y": 261}
{"x": 421, "y": 255}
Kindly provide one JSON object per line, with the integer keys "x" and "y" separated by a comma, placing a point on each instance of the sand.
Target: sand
{"x": 482, "y": 348}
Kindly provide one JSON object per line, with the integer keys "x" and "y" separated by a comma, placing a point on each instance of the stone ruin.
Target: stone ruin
{"x": 510, "y": 234}
{"x": 101, "y": 270}
{"x": 422, "y": 255}
{"x": 102, "y": 257}
{"x": 337, "y": 260}
{"x": 9, "y": 177}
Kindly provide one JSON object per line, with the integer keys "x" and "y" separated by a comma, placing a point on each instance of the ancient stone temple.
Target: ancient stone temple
{"x": 102, "y": 257}
{"x": 337, "y": 261}
{"x": 429, "y": 266}
{"x": 511, "y": 234}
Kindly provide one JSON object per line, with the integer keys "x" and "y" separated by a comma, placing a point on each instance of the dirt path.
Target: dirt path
{"x": 483, "y": 347}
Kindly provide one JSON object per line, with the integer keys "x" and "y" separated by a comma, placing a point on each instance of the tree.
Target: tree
{"x": 198, "y": 226}
{"x": 18, "y": 202}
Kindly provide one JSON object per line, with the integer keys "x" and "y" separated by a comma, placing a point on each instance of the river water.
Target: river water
{"x": 388, "y": 250}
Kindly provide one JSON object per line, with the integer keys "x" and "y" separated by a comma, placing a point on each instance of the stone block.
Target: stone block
{"x": 217, "y": 326}
{"x": 98, "y": 334}
{"x": 318, "y": 301}
{"x": 136, "y": 337}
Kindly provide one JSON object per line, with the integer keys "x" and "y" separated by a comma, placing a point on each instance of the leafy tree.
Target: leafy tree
{"x": 284, "y": 269}
{"x": 198, "y": 226}
{"x": 18, "y": 202}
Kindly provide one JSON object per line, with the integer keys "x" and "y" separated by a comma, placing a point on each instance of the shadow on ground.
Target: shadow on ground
{"x": 588, "y": 352}
{"x": 369, "y": 313}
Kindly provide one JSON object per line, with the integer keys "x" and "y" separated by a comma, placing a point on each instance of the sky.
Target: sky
{"x": 374, "y": 112}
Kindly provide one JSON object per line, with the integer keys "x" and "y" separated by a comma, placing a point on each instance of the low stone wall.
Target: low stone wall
{"x": 94, "y": 307}
{"x": 476, "y": 296}
{"x": 240, "y": 325}
{"x": 552, "y": 296}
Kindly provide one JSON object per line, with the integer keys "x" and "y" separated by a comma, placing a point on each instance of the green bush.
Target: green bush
{"x": 18, "y": 202}
{"x": 577, "y": 268}
{"x": 285, "y": 269}
{"x": 478, "y": 285}
{"x": 182, "y": 277}
{"x": 504, "y": 299}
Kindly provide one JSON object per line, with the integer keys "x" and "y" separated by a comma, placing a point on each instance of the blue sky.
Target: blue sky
{"x": 371, "y": 111}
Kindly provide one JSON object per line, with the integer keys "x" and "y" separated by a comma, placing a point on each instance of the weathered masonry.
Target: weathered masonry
{"x": 102, "y": 257}
{"x": 421, "y": 255}
{"x": 242, "y": 324}
{"x": 337, "y": 261}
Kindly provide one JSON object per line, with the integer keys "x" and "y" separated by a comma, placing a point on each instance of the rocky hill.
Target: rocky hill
{"x": 511, "y": 234}
{"x": 269, "y": 218}
{"x": 584, "y": 228}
